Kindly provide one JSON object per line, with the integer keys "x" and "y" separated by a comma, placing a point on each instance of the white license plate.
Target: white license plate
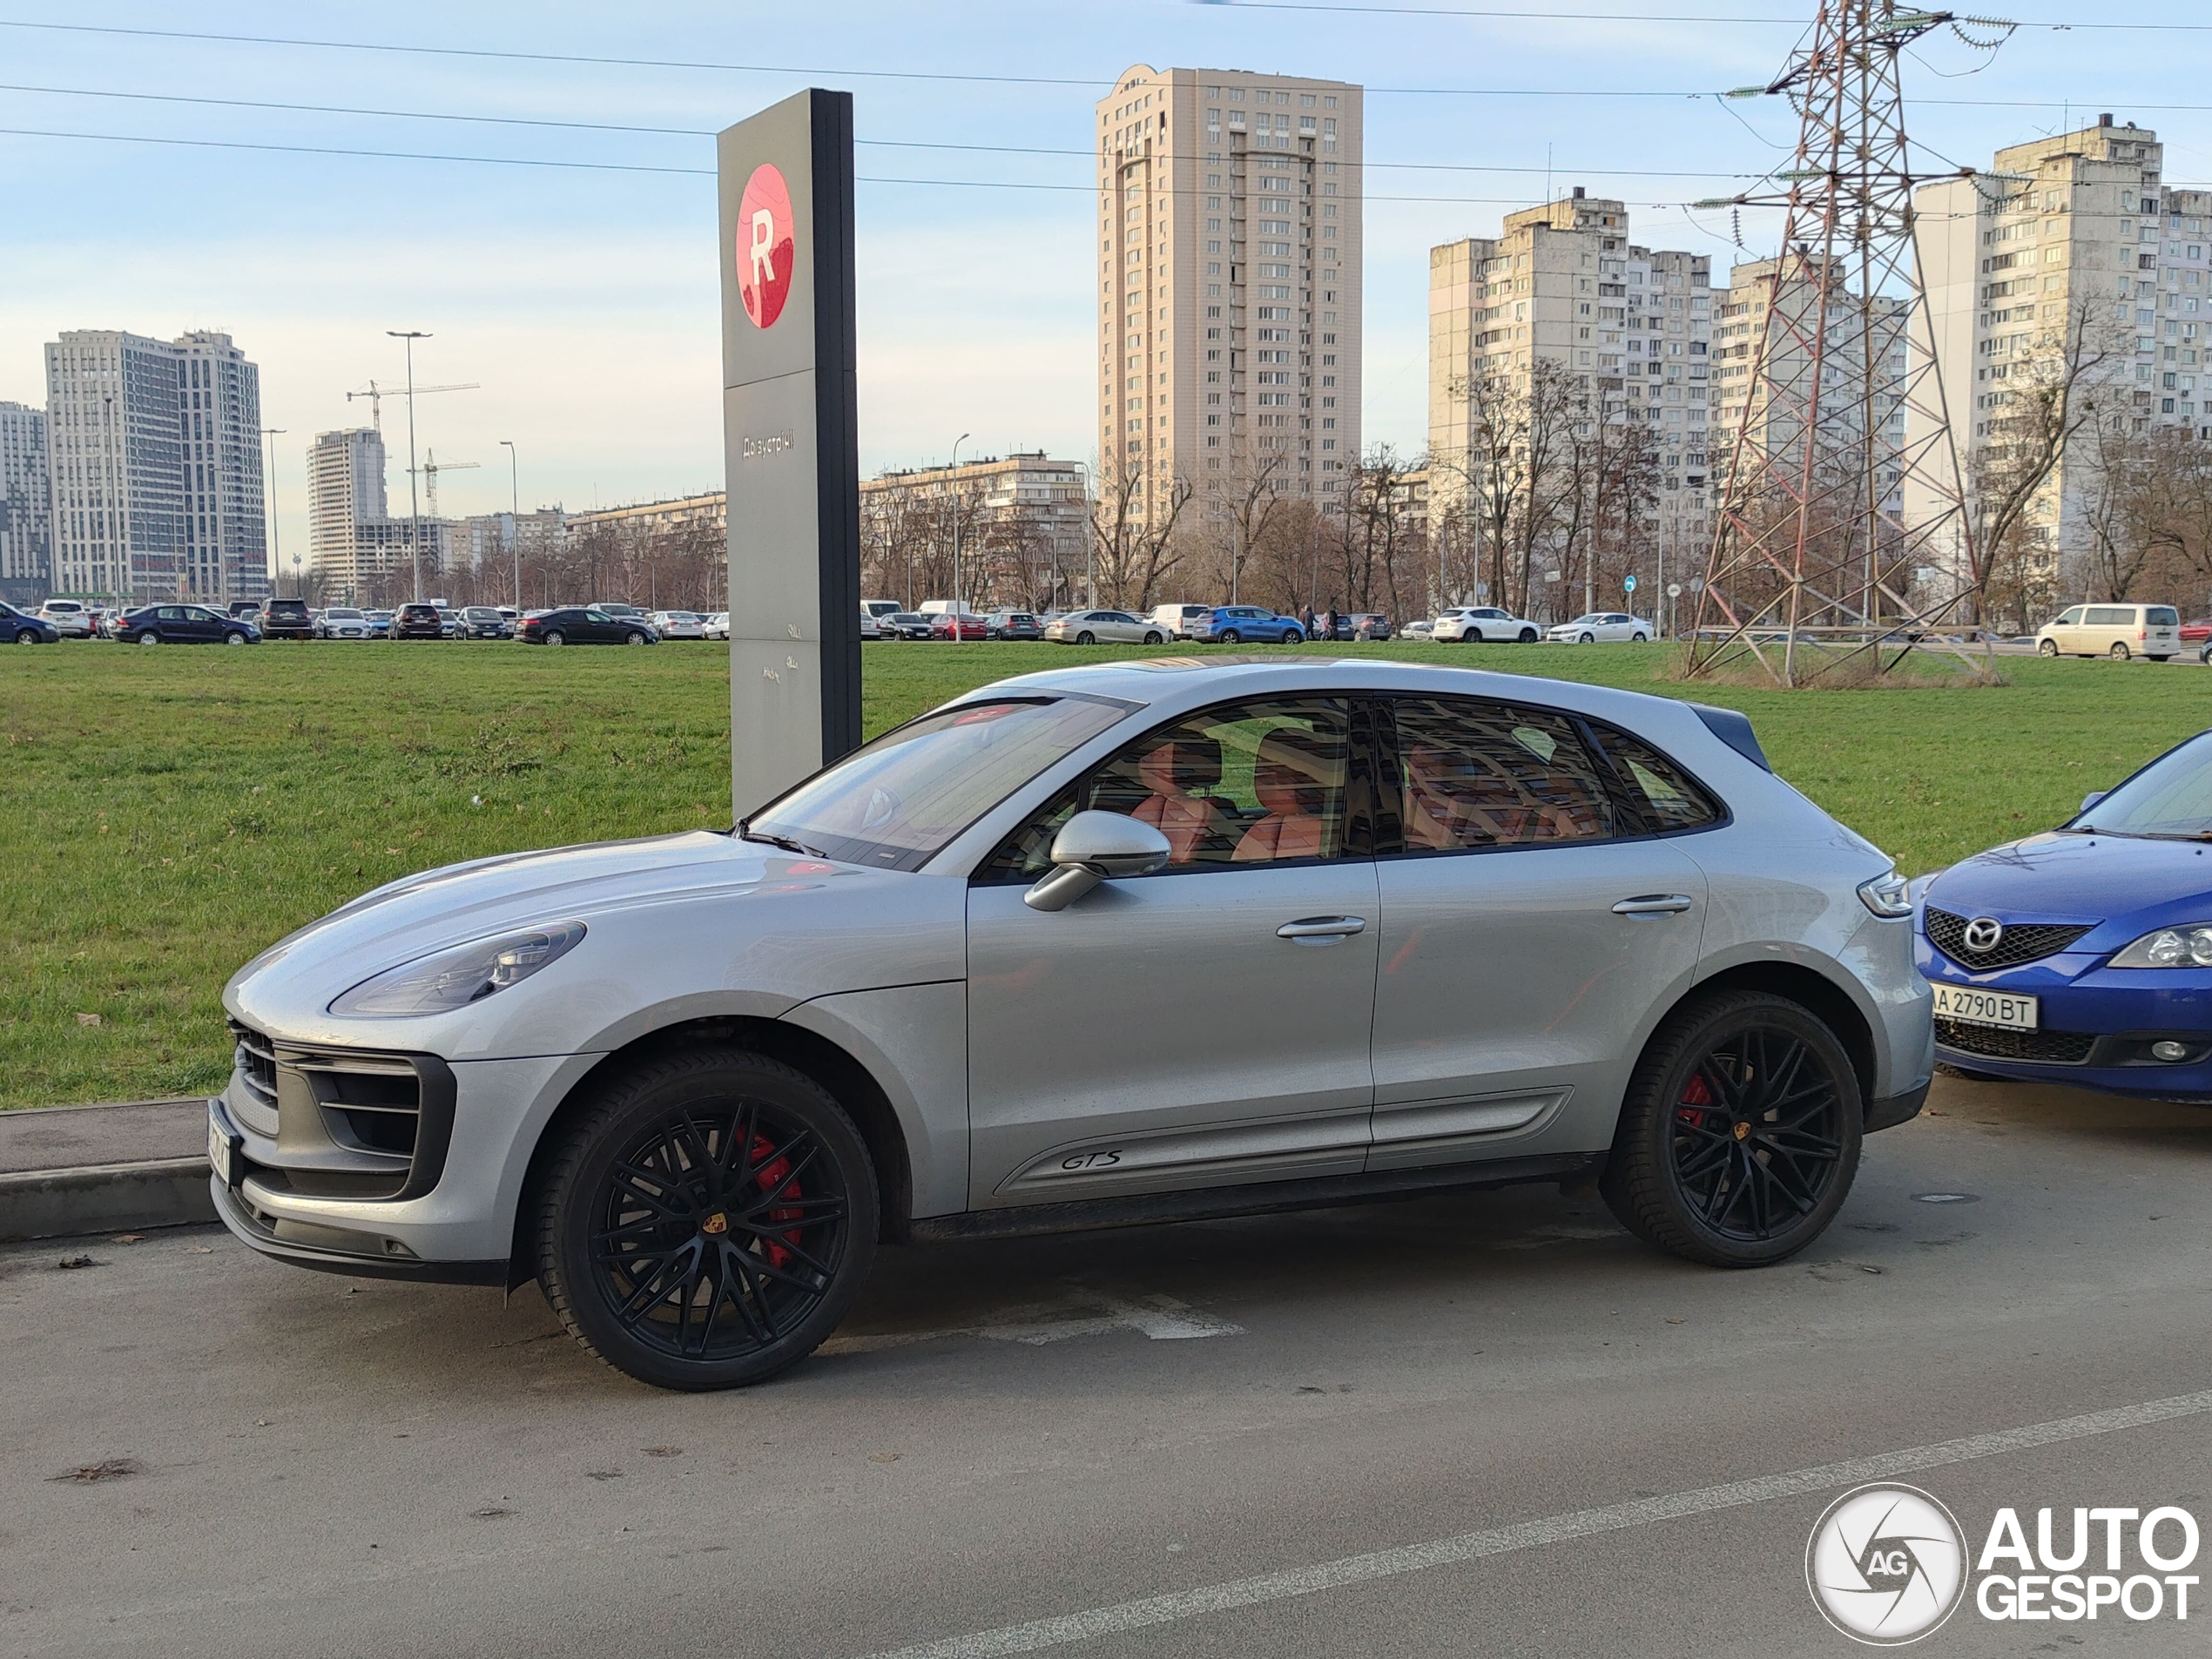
{"x": 1984, "y": 1008}
{"x": 225, "y": 1153}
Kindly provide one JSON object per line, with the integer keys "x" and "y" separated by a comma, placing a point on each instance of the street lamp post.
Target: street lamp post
{"x": 414, "y": 509}
{"x": 515, "y": 513}
{"x": 957, "y": 601}
{"x": 268, "y": 491}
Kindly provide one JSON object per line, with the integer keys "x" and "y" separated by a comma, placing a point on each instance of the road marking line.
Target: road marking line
{"x": 1495, "y": 1540}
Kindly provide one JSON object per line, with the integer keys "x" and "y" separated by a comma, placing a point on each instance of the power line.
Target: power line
{"x": 940, "y": 77}
{"x": 1641, "y": 17}
{"x": 709, "y": 172}
{"x": 707, "y": 133}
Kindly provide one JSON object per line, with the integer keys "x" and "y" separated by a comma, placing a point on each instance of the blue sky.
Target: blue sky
{"x": 584, "y": 302}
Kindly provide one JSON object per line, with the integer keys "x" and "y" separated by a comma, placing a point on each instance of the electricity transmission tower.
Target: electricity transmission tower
{"x": 1841, "y": 399}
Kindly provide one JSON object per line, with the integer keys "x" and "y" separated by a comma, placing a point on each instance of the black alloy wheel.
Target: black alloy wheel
{"x": 1528, "y": 636}
{"x": 1740, "y": 1135}
{"x": 1472, "y": 636}
{"x": 1293, "y": 636}
{"x": 709, "y": 1220}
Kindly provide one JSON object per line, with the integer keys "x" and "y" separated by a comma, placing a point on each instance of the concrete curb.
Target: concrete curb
{"x": 105, "y": 1197}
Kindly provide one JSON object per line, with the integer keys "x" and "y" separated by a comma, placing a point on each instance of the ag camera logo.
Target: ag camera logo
{"x": 1886, "y": 1564}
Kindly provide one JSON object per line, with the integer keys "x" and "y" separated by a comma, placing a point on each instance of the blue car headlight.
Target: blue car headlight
{"x": 453, "y": 979}
{"x": 2187, "y": 945}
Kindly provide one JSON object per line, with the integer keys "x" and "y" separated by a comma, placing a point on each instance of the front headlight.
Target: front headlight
{"x": 1887, "y": 896}
{"x": 2187, "y": 945}
{"x": 453, "y": 979}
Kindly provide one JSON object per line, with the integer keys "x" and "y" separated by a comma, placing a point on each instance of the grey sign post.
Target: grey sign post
{"x": 791, "y": 442}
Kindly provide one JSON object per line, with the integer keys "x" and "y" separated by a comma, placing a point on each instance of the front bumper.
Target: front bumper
{"x": 2095, "y": 1025}
{"x": 331, "y": 1174}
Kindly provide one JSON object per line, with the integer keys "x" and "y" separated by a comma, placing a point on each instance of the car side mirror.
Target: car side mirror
{"x": 1093, "y": 847}
{"x": 2092, "y": 798}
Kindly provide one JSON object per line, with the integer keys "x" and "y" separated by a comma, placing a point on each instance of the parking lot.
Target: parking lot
{"x": 208, "y": 1453}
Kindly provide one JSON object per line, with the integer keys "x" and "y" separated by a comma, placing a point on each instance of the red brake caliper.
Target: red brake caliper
{"x": 1694, "y": 1097}
{"x": 770, "y": 1167}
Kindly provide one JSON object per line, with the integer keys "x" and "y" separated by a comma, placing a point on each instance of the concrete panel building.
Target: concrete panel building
{"x": 1229, "y": 287}
{"x": 1026, "y": 526}
{"x": 222, "y": 540}
{"x": 26, "y": 512}
{"x": 2075, "y": 230}
{"x": 1631, "y": 326}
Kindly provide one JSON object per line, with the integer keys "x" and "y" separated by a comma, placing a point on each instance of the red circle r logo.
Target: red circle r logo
{"x": 766, "y": 246}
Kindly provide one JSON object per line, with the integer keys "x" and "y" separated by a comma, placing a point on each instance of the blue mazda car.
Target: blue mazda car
{"x": 2084, "y": 956}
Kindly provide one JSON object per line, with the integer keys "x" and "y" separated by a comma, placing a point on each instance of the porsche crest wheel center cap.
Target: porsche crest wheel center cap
{"x": 717, "y": 1223}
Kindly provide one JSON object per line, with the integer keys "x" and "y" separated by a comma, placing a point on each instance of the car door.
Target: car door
{"x": 169, "y": 624}
{"x": 598, "y": 628}
{"x": 1205, "y": 1025}
{"x": 1531, "y": 922}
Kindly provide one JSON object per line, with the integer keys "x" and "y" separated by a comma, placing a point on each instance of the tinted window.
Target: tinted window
{"x": 1488, "y": 774}
{"x": 2111, "y": 616}
{"x": 899, "y": 799}
{"x": 2162, "y": 617}
{"x": 1667, "y": 796}
{"x": 1252, "y": 783}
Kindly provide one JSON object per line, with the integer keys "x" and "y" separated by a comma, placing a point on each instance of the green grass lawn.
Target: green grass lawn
{"x": 169, "y": 812}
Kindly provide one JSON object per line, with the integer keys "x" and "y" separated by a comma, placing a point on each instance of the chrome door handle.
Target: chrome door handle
{"x": 1322, "y": 928}
{"x": 1654, "y": 904}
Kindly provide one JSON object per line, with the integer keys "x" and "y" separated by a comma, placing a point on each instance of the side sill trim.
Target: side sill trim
{"x": 1265, "y": 1197}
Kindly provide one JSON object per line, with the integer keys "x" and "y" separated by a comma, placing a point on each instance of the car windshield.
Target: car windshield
{"x": 2171, "y": 798}
{"x": 896, "y": 802}
{"x": 342, "y": 615}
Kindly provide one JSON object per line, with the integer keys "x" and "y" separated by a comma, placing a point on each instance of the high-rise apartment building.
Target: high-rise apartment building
{"x": 223, "y": 532}
{"x": 26, "y": 518}
{"x": 2073, "y": 232}
{"x": 345, "y": 492}
{"x": 154, "y": 452}
{"x": 1229, "y": 288}
{"x": 1776, "y": 301}
{"x": 1630, "y": 327}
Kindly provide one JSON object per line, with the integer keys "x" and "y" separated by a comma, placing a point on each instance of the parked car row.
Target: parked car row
{"x": 250, "y": 621}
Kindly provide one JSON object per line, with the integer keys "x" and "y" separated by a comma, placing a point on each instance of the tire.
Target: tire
{"x": 2047, "y": 648}
{"x": 149, "y": 637}
{"x": 1639, "y": 639}
{"x": 778, "y": 1253}
{"x": 1154, "y": 639}
{"x": 1528, "y": 636}
{"x": 1086, "y": 637}
{"x": 1683, "y": 1178}
{"x": 1587, "y": 639}
{"x": 633, "y": 638}
{"x": 556, "y": 638}
{"x": 2118, "y": 653}
{"x": 25, "y": 636}
{"x": 1232, "y": 637}
{"x": 1294, "y": 637}
{"x": 1472, "y": 636}
{"x": 2159, "y": 659}
{"x": 233, "y": 639}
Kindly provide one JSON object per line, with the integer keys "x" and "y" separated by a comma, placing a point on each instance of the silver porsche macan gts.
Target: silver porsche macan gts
{"x": 1126, "y": 943}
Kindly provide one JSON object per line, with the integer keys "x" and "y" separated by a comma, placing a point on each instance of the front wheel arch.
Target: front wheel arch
{"x": 845, "y": 1077}
{"x": 1810, "y": 988}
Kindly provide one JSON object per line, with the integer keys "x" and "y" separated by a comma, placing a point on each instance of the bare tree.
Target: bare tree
{"x": 1135, "y": 548}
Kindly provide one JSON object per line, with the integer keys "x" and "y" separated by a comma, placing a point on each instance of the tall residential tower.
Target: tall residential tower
{"x": 1228, "y": 297}
{"x": 26, "y": 520}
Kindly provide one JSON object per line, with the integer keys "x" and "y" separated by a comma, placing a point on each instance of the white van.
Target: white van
{"x": 1177, "y": 620}
{"x": 2117, "y": 631}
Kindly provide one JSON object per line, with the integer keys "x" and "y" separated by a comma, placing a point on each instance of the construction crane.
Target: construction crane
{"x": 376, "y": 394}
{"x": 431, "y": 468}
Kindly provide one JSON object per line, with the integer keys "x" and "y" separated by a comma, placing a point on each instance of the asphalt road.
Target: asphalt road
{"x": 1013, "y": 1432}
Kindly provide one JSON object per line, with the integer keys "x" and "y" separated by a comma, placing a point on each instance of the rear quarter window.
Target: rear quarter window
{"x": 1668, "y": 797}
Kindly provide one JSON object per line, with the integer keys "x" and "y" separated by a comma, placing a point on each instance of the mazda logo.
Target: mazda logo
{"x": 1983, "y": 932}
